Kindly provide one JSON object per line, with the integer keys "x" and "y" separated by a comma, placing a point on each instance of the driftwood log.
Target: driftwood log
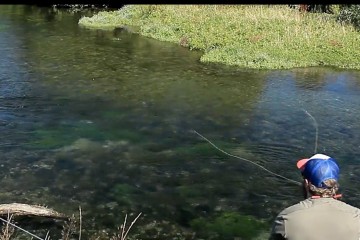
{"x": 21, "y": 209}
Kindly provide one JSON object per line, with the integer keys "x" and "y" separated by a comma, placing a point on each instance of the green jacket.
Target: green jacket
{"x": 317, "y": 219}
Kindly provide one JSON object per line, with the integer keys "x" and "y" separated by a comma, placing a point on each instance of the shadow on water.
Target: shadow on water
{"x": 102, "y": 119}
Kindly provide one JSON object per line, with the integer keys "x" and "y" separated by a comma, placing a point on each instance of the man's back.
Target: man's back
{"x": 318, "y": 219}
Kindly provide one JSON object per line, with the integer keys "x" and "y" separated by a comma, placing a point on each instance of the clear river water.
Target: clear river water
{"x": 104, "y": 120}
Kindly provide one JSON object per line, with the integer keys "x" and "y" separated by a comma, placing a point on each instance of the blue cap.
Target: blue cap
{"x": 320, "y": 168}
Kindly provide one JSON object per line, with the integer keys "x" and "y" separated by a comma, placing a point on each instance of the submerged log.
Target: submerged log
{"x": 21, "y": 209}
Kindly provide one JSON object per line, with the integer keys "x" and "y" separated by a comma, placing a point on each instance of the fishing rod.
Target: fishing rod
{"x": 258, "y": 165}
{"x": 316, "y": 130}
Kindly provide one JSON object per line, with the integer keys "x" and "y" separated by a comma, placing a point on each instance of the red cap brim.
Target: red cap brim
{"x": 301, "y": 163}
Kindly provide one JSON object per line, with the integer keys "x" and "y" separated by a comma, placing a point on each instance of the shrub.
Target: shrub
{"x": 350, "y": 13}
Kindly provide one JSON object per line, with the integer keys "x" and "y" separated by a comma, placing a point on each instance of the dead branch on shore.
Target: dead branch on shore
{"x": 21, "y": 209}
{"x": 69, "y": 227}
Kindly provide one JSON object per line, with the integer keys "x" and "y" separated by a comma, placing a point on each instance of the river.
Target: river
{"x": 104, "y": 120}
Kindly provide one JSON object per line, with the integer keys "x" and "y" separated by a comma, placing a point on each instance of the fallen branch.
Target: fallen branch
{"x": 21, "y": 209}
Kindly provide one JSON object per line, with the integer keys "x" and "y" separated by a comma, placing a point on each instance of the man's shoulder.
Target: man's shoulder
{"x": 309, "y": 204}
{"x": 348, "y": 207}
{"x": 305, "y": 204}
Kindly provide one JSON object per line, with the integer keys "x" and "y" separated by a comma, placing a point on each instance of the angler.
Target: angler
{"x": 321, "y": 215}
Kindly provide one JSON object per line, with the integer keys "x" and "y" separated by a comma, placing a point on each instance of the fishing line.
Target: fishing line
{"x": 258, "y": 165}
{"x": 316, "y": 130}
{"x": 246, "y": 160}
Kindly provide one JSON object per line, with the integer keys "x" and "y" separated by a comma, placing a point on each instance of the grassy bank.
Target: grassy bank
{"x": 262, "y": 37}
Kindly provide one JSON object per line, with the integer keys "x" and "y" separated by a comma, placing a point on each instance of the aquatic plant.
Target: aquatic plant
{"x": 229, "y": 225}
{"x": 60, "y": 136}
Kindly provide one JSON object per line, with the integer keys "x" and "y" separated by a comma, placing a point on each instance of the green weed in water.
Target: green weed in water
{"x": 123, "y": 193}
{"x": 66, "y": 135}
{"x": 52, "y": 138}
{"x": 203, "y": 149}
{"x": 123, "y": 134}
{"x": 229, "y": 225}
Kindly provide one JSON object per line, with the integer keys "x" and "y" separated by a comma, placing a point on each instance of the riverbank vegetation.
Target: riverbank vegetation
{"x": 251, "y": 36}
{"x": 70, "y": 228}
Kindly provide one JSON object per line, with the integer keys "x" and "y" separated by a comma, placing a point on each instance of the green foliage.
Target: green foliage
{"x": 350, "y": 14}
{"x": 260, "y": 37}
{"x": 229, "y": 225}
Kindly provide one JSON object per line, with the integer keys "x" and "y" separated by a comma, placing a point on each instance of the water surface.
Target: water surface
{"x": 104, "y": 120}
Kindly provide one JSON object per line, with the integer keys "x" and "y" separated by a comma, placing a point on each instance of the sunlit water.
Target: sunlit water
{"x": 104, "y": 120}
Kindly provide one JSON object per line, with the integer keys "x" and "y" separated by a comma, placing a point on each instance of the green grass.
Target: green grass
{"x": 260, "y": 36}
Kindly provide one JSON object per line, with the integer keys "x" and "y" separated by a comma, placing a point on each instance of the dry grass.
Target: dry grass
{"x": 70, "y": 228}
{"x": 124, "y": 231}
{"x": 7, "y": 230}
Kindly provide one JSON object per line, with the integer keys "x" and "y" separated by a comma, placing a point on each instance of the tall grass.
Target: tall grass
{"x": 70, "y": 228}
{"x": 252, "y": 36}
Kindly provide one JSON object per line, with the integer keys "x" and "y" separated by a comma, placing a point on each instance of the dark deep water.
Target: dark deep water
{"x": 103, "y": 120}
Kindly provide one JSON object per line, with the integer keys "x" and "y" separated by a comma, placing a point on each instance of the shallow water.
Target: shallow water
{"x": 104, "y": 120}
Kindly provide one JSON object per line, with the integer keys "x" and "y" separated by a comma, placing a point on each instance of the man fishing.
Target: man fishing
{"x": 321, "y": 215}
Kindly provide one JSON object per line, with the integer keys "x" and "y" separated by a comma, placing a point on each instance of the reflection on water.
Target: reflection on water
{"x": 103, "y": 120}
